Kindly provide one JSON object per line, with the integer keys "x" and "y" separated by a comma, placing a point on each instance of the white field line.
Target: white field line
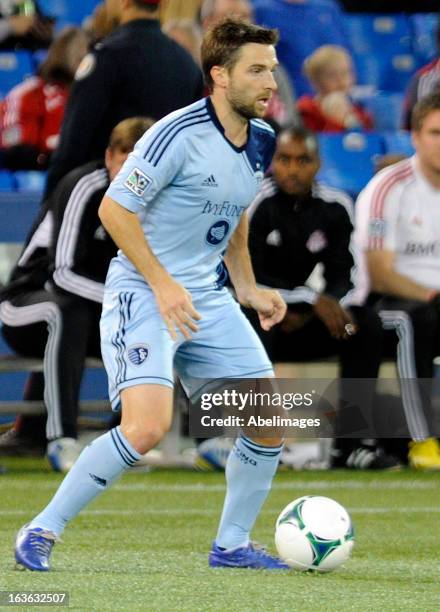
{"x": 209, "y": 512}
{"x": 406, "y": 485}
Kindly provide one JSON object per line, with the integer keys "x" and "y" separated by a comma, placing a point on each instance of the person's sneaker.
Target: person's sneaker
{"x": 245, "y": 557}
{"x": 33, "y": 548}
{"x": 424, "y": 455}
{"x": 213, "y": 453}
{"x": 364, "y": 458}
{"x": 13, "y": 443}
{"x": 63, "y": 453}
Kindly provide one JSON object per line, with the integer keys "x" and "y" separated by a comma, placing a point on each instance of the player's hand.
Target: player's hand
{"x": 176, "y": 308}
{"x": 269, "y": 304}
{"x": 334, "y": 317}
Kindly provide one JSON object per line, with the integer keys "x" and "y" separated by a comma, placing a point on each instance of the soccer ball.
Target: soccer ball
{"x": 314, "y": 533}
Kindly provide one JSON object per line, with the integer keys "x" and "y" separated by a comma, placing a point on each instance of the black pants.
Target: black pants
{"x": 359, "y": 356}
{"x": 417, "y": 327}
{"x": 64, "y": 330}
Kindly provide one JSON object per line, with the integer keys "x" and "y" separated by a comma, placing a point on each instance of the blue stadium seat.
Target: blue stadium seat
{"x": 386, "y": 110}
{"x": 68, "y": 11}
{"x": 385, "y": 72}
{"x": 348, "y": 159}
{"x": 39, "y": 56}
{"x": 15, "y": 66}
{"x": 424, "y": 28}
{"x": 6, "y": 181}
{"x": 382, "y": 48}
{"x": 31, "y": 180}
{"x": 398, "y": 142}
{"x": 373, "y": 33}
{"x": 17, "y": 214}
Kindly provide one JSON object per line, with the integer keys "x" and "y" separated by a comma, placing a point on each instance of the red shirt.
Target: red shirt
{"x": 32, "y": 114}
{"x": 315, "y": 120}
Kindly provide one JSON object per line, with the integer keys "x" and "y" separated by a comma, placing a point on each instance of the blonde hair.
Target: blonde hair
{"x": 320, "y": 59}
{"x": 126, "y": 133}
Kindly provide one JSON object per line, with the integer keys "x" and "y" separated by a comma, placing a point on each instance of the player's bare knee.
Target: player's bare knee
{"x": 146, "y": 434}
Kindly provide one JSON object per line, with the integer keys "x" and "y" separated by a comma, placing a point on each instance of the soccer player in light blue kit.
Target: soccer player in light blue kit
{"x": 176, "y": 210}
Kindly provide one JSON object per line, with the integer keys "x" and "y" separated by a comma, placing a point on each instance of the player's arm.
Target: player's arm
{"x": 338, "y": 263}
{"x": 75, "y": 222}
{"x": 174, "y": 301}
{"x": 268, "y": 303}
{"x": 380, "y": 245}
{"x": 385, "y": 279}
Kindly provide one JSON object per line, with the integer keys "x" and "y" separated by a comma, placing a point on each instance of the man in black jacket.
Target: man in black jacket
{"x": 136, "y": 71}
{"x": 297, "y": 224}
{"x": 51, "y": 305}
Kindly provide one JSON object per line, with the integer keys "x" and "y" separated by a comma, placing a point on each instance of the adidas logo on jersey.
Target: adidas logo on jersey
{"x": 210, "y": 182}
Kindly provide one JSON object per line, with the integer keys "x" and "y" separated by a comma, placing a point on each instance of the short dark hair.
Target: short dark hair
{"x": 223, "y": 41}
{"x": 297, "y": 132}
{"x": 148, "y": 7}
{"x": 126, "y": 133}
{"x": 422, "y": 109}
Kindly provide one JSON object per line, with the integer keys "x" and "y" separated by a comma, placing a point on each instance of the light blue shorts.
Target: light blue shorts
{"x": 137, "y": 348}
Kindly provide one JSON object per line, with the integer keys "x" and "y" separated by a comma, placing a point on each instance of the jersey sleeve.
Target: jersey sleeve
{"x": 75, "y": 210}
{"x": 376, "y": 217}
{"x": 155, "y": 161}
{"x": 338, "y": 261}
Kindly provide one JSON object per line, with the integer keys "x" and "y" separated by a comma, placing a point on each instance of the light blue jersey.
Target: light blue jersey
{"x": 189, "y": 186}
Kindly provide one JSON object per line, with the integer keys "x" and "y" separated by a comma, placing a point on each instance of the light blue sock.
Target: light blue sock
{"x": 249, "y": 473}
{"x": 98, "y": 466}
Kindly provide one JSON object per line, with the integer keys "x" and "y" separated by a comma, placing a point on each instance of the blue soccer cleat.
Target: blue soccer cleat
{"x": 245, "y": 556}
{"x": 33, "y": 547}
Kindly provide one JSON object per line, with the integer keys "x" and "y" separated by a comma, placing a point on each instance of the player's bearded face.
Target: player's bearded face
{"x": 251, "y": 81}
{"x": 245, "y": 104}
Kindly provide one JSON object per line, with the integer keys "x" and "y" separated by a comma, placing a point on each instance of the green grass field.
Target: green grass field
{"x": 143, "y": 545}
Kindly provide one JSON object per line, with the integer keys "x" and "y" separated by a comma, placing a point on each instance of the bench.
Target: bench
{"x": 15, "y": 363}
